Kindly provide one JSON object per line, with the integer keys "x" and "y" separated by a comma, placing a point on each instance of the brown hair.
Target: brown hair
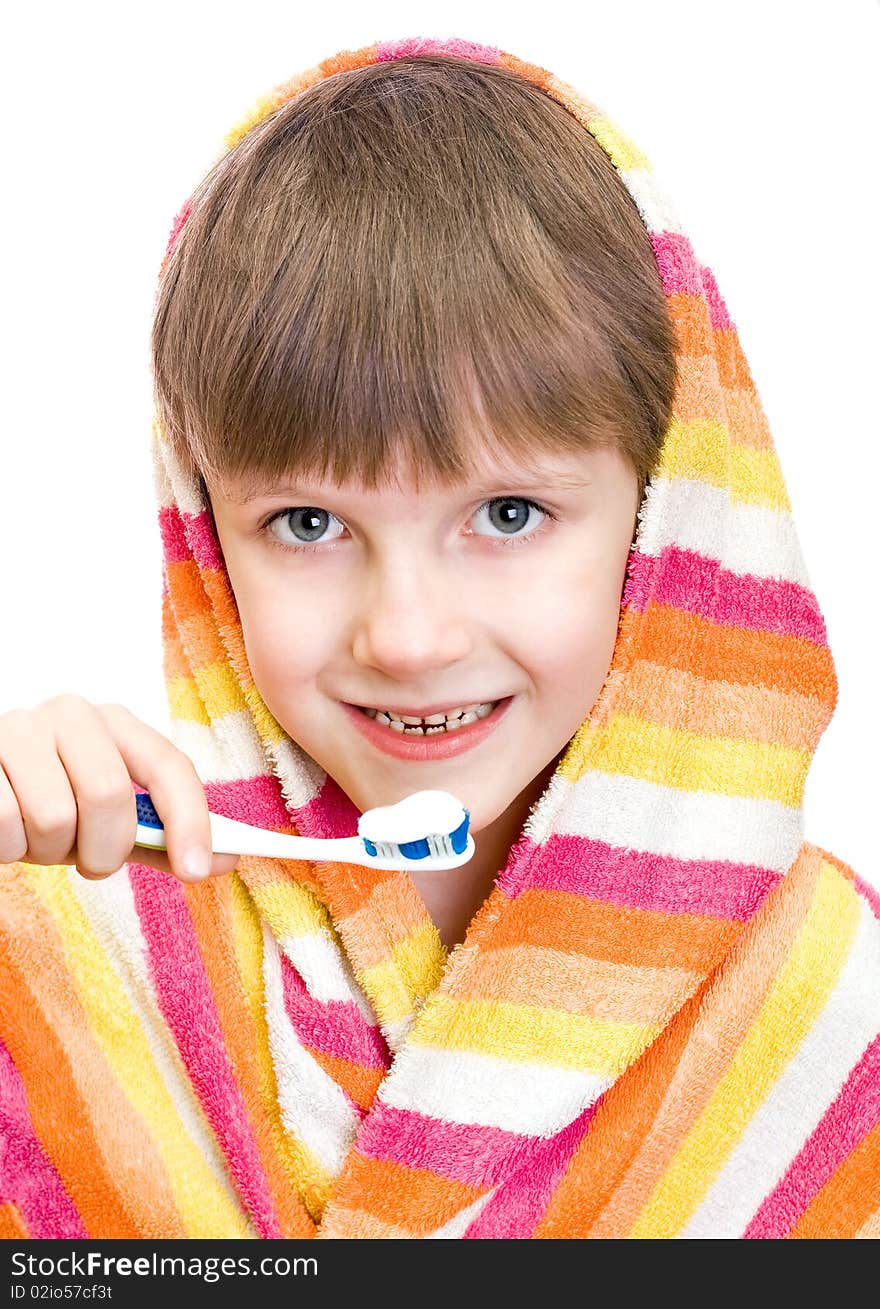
{"x": 399, "y": 257}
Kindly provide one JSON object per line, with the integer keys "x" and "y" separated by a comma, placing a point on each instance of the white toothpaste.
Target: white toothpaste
{"x": 422, "y": 814}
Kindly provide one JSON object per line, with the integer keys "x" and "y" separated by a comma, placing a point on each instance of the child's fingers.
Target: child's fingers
{"x": 13, "y": 838}
{"x": 106, "y": 814}
{"x": 41, "y": 787}
{"x": 175, "y": 789}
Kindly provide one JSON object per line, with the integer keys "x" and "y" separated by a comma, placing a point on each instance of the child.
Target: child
{"x": 449, "y": 418}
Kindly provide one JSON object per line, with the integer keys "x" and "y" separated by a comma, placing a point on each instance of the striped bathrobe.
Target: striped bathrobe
{"x": 664, "y": 1020}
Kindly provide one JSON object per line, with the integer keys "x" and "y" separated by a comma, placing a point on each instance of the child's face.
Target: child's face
{"x": 445, "y": 598}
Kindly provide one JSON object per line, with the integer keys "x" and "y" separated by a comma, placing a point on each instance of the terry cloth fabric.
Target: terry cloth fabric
{"x": 665, "y": 1019}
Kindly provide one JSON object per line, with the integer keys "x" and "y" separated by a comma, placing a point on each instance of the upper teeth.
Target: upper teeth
{"x": 465, "y": 714}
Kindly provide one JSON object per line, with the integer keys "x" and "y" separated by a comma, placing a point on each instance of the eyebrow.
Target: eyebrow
{"x": 525, "y": 479}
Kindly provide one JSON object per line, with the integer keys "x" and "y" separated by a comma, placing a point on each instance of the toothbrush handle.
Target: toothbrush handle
{"x": 231, "y": 837}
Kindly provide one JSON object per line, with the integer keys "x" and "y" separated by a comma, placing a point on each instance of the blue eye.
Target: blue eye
{"x": 309, "y": 520}
{"x": 510, "y": 514}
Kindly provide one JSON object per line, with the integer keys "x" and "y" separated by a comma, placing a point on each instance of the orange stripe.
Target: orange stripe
{"x": 348, "y": 887}
{"x": 359, "y": 1082}
{"x": 693, "y": 326}
{"x": 870, "y": 1229}
{"x": 185, "y": 588}
{"x": 222, "y": 599}
{"x": 175, "y": 662}
{"x": 848, "y": 1198}
{"x": 540, "y": 76}
{"x": 356, "y": 1225}
{"x": 413, "y": 1198}
{"x": 32, "y": 963}
{"x": 210, "y": 908}
{"x": 698, "y": 395}
{"x": 681, "y": 700}
{"x": 553, "y": 979}
{"x": 560, "y": 920}
{"x": 12, "y": 1224}
{"x": 395, "y": 910}
{"x": 746, "y": 420}
{"x": 734, "y": 654}
{"x": 733, "y": 367}
{"x": 637, "y": 1139}
{"x": 199, "y": 634}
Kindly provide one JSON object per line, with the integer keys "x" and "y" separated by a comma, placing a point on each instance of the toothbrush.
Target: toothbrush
{"x": 428, "y": 829}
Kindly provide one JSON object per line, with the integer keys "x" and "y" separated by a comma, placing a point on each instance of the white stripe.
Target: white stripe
{"x": 396, "y": 1031}
{"x": 162, "y": 489}
{"x": 169, "y": 474}
{"x": 810, "y": 1082}
{"x": 651, "y": 199}
{"x": 459, "y": 1086}
{"x": 458, "y": 1225}
{"x": 223, "y": 751}
{"x": 300, "y": 777}
{"x": 229, "y": 749}
{"x": 325, "y": 970}
{"x": 629, "y": 812}
{"x": 313, "y": 1106}
{"x": 744, "y": 538}
{"x": 110, "y": 910}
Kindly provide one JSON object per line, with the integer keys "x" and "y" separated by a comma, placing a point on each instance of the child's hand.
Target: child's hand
{"x": 66, "y": 796}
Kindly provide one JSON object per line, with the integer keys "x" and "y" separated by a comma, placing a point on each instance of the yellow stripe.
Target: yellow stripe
{"x": 207, "y": 1209}
{"x": 419, "y": 958}
{"x": 624, "y": 153}
{"x": 525, "y": 1034}
{"x": 184, "y": 700}
{"x": 219, "y": 689}
{"x": 784, "y": 1020}
{"x": 398, "y": 984}
{"x": 687, "y": 762}
{"x": 290, "y": 908}
{"x": 304, "y": 1172}
{"x": 702, "y": 450}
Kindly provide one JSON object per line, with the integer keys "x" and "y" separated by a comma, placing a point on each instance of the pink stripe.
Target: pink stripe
{"x": 254, "y": 800}
{"x": 27, "y": 1177}
{"x": 468, "y": 1153}
{"x": 718, "y": 312}
{"x": 677, "y": 263}
{"x": 430, "y": 45}
{"x": 688, "y": 581}
{"x": 187, "y": 1003}
{"x": 178, "y": 226}
{"x": 644, "y": 880}
{"x": 845, "y": 1123}
{"x": 190, "y": 536}
{"x": 517, "y": 1207}
{"x": 331, "y": 813}
{"x": 336, "y": 1027}
{"x": 869, "y": 892}
{"x": 260, "y": 802}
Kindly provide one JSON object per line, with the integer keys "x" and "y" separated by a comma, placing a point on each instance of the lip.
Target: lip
{"x": 440, "y": 745}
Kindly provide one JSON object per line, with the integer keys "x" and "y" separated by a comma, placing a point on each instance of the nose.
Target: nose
{"x": 409, "y": 620}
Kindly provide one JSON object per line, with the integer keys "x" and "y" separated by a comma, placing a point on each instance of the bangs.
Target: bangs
{"x": 387, "y": 271}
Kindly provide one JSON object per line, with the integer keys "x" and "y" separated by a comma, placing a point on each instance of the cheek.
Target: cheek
{"x": 571, "y": 628}
{"x": 287, "y": 640}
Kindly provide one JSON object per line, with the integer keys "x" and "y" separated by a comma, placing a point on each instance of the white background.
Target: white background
{"x": 760, "y": 119}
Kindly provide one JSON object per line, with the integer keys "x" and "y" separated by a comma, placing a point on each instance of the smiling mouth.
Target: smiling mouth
{"x": 434, "y": 724}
